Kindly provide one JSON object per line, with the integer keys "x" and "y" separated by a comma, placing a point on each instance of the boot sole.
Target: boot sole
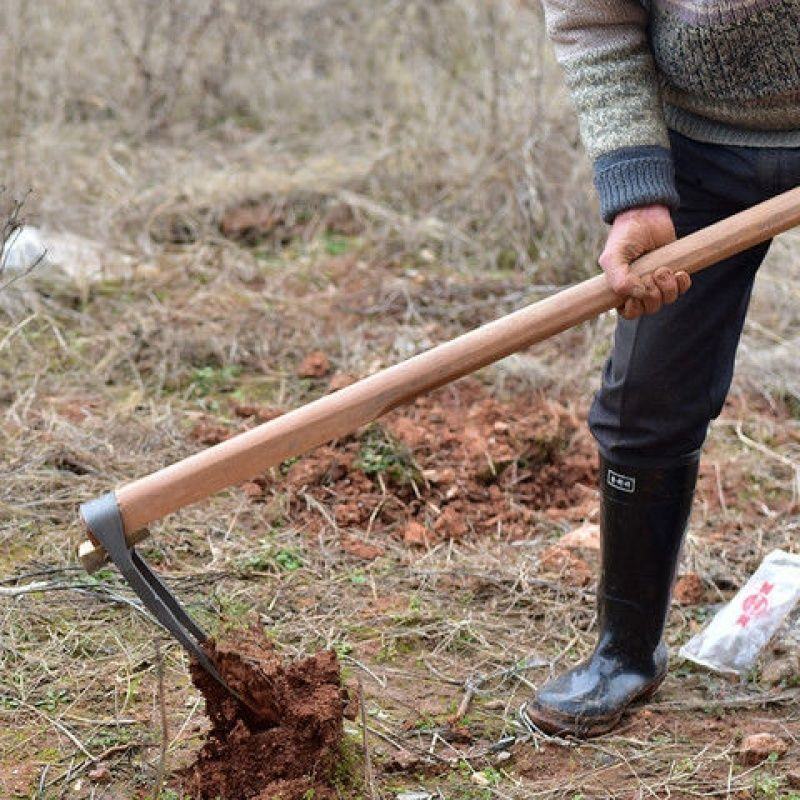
{"x": 583, "y": 727}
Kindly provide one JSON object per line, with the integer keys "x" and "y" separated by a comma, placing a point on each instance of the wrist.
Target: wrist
{"x": 653, "y": 212}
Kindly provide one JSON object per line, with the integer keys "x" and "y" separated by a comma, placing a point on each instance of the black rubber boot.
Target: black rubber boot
{"x": 644, "y": 513}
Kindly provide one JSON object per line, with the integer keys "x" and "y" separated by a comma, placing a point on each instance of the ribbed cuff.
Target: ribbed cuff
{"x": 635, "y": 176}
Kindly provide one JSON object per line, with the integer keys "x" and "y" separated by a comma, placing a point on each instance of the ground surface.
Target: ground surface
{"x": 277, "y": 197}
{"x": 426, "y": 550}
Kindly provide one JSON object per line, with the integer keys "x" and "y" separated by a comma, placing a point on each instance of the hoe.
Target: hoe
{"x": 116, "y": 521}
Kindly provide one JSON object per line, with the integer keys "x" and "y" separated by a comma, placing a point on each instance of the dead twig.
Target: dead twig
{"x": 10, "y": 230}
{"x": 162, "y": 705}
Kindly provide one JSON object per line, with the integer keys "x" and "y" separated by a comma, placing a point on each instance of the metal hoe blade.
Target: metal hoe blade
{"x": 104, "y": 521}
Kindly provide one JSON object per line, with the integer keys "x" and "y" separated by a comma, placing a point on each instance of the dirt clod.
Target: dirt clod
{"x": 758, "y": 747}
{"x": 314, "y": 365}
{"x": 585, "y": 537}
{"x": 259, "y": 413}
{"x": 252, "y": 489}
{"x": 277, "y": 220}
{"x": 778, "y": 670}
{"x": 562, "y": 564}
{"x": 209, "y": 433}
{"x": 286, "y": 748}
{"x": 100, "y": 774}
{"x": 415, "y": 534}
{"x": 359, "y": 549}
{"x": 340, "y": 380}
{"x": 689, "y": 590}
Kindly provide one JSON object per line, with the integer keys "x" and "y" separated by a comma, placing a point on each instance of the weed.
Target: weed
{"x": 343, "y": 649}
{"x": 53, "y": 699}
{"x": 767, "y": 786}
{"x": 492, "y": 775}
{"x": 287, "y": 465}
{"x": 269, "y": 557}
{"x": 288, "y": 560}
{"x": 358, "y": 578}
{"x": 425, "y": 723}
{"x": 381, "y": 454}
{"x": 393, "y": 648}
{"x": 102, "y": 575}
{"x": 792, "y": 403}
{"x": 336, "y": 245}
{"x": 260, "y": 561}
{"x": 348, "y": 776}
{"x": 170, "y": 794}
{"x": 232, "y": 609}
{"x": 210, "y": 380}
{"x": 111, "y": 737}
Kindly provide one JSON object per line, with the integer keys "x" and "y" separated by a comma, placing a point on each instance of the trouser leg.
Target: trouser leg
{"x": 669, "y": 373}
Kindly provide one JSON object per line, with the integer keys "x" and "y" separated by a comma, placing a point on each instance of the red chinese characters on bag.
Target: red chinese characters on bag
{"x": 755, "y": 605}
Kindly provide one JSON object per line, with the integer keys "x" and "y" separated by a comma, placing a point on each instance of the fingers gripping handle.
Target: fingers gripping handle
{"x": 248, "y": 454}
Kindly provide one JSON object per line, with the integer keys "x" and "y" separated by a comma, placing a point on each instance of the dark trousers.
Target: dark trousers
{"x": 669, "y": 373}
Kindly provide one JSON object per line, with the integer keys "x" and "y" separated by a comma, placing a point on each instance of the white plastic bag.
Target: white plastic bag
{"x": 23, "y": 251}
{"x": 732, "y": 640}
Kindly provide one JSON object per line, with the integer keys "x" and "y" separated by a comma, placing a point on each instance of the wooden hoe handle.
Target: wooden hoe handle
{"x": 244, "y": 456}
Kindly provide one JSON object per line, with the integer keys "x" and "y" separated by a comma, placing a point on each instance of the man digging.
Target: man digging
{"x": 690, "y": 110}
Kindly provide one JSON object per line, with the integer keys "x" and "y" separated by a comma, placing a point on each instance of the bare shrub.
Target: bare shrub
{"x": 161, "y": 40}
{"x": 11, "y": 225}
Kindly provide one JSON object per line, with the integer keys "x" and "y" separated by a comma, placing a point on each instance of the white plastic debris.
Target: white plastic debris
{"x": 52, "y": 256}
{"x": 23, "y": 251}
{"x": 732, "y": 640}
{"x": 83, "y": 259}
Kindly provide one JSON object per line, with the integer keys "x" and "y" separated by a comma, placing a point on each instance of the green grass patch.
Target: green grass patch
{"x": 210, "y": 380}
{"x": 381, "y": 454}
{"x": 271, "y": 558}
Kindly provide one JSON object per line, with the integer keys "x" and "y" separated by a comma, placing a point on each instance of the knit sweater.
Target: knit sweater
{"x": 720, "y": 71}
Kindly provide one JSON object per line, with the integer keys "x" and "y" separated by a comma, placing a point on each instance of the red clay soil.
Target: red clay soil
{"x": 456, "y": 463}
{"x": 461, "y": 463}
{"x": 289, "y": 748}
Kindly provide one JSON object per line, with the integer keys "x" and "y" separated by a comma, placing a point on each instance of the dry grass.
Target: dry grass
{"x": 449, "y": 111}
{"x": 107, "y": 385}
{"x": 443, "y": 126}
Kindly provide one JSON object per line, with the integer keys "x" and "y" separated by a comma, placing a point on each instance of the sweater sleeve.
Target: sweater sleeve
{"x": 603, "y": 48}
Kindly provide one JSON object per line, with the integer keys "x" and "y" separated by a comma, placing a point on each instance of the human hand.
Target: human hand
{"x": 635, "y": 232}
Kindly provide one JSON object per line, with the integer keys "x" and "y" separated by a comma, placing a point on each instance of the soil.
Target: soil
{"x": 285, "y": 748}
{"x": 689, "y": 590}
{"x": 314, "y": 365}
{"x": 461, "y": 463}
{"x": 277, "y": 220}
{"x": 456, "y": 463}
{"x": 605, "y": 774}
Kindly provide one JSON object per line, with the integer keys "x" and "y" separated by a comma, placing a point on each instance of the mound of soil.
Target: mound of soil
{"x": 287, "y": 746}
{"x": 458, "y": 462}
{"x": 278, "y": 219}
